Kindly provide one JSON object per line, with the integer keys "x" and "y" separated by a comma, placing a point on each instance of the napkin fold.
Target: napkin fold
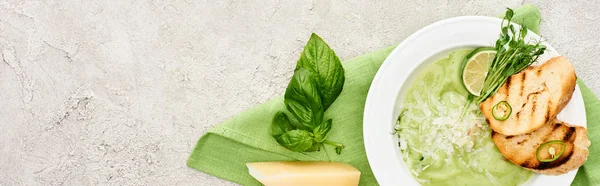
{"x": 224, "y": 149}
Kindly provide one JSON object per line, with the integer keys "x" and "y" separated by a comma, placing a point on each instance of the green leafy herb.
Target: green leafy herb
{"x": 322, "y": 61}
{"x": 314, "y": 147}
{"x": 296, "y": 140}
{"x": 281, "y": 124}
{"x": 322, "y": 130}
{"x": 513, "y": 55}
{"x": 317, "y": 81}
{"x": 338, "y": 149}
{"x": 302, "y": 99}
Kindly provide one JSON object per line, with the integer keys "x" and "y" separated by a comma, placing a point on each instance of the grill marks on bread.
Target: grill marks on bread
{"x": 536, "y": 95}
{"x": 521, "y": 149}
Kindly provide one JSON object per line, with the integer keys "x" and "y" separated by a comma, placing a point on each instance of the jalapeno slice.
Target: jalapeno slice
{"x": 551, "y": 150}
{"x": 501, "y": 111}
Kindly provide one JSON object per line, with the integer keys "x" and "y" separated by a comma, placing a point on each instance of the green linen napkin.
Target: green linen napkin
{"x": 224, "y": 149}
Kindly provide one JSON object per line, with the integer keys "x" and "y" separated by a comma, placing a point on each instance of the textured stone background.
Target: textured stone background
{"x": 117, "y": 92}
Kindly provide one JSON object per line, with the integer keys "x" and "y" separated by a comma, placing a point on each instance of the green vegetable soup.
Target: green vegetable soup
{"x": 444, "y": 138}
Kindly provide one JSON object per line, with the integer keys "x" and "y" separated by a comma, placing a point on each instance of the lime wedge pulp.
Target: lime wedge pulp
{"x": 476, "y": 67}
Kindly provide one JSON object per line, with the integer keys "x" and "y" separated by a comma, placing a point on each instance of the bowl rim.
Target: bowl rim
{"x": 374, "y": 154}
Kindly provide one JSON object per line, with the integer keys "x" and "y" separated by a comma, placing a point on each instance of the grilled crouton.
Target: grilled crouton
{"x": 536, "y": 95}
{"x": 522, "y": 149}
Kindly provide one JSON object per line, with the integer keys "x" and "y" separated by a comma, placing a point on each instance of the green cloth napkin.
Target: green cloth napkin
{"x": 224, "y": 149}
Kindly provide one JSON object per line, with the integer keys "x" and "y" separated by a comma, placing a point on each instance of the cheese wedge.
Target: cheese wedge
{"x": 304, "y": 173}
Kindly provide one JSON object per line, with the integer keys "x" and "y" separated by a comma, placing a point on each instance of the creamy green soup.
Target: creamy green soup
{"x": 444, "y": 139}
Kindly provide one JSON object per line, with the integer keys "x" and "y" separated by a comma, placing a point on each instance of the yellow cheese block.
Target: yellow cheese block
{"x": 304, "y": 173}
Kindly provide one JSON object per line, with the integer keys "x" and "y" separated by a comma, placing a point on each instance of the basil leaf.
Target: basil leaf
{"x": 338, "y": 146}
{"x": 321, "y": 131}
{"x": 302, "y": 99}
{"x": 296, "y": 140}
{"x": 280, "y": 125}
{"x": 314, "y": 147}
{"x": 322, "y": 61}
{"x": 338, "y": 149}
{"x": 295, "y": 123}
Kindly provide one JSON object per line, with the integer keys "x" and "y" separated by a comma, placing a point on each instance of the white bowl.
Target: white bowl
{"x": 397, "y": 73}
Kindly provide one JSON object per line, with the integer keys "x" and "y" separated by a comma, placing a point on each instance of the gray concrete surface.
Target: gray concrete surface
{"x": 117, "y": 92}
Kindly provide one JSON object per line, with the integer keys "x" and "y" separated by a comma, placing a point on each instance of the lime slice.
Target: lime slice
{"x": 476, "y": 68}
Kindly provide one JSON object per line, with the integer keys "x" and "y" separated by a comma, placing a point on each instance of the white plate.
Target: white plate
{"x": 404, "y": 63}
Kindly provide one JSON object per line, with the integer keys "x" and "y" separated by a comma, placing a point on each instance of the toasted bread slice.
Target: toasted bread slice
{"x": 536, "y": 95}
{"x": 522, "y": 149}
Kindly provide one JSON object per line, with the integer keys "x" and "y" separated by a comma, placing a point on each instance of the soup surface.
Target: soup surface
{"x": 444, "y": 138}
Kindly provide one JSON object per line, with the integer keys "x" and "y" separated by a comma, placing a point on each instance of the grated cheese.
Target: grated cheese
{"x": 447, "y": 134}
{"x": 438, "y": 146}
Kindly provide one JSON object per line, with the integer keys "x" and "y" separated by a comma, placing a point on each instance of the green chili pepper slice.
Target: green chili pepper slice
{"x": 501, "y": 111}
{"x": 551, "y": 150}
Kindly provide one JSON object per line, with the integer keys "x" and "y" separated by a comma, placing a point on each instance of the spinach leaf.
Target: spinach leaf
{"x": 302, "y": 99}
{"x": 321, "y": 131}
{"x": 320, "y": 59}
{"x": 280, "y": 125}
{"x": 296, "y": 140}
